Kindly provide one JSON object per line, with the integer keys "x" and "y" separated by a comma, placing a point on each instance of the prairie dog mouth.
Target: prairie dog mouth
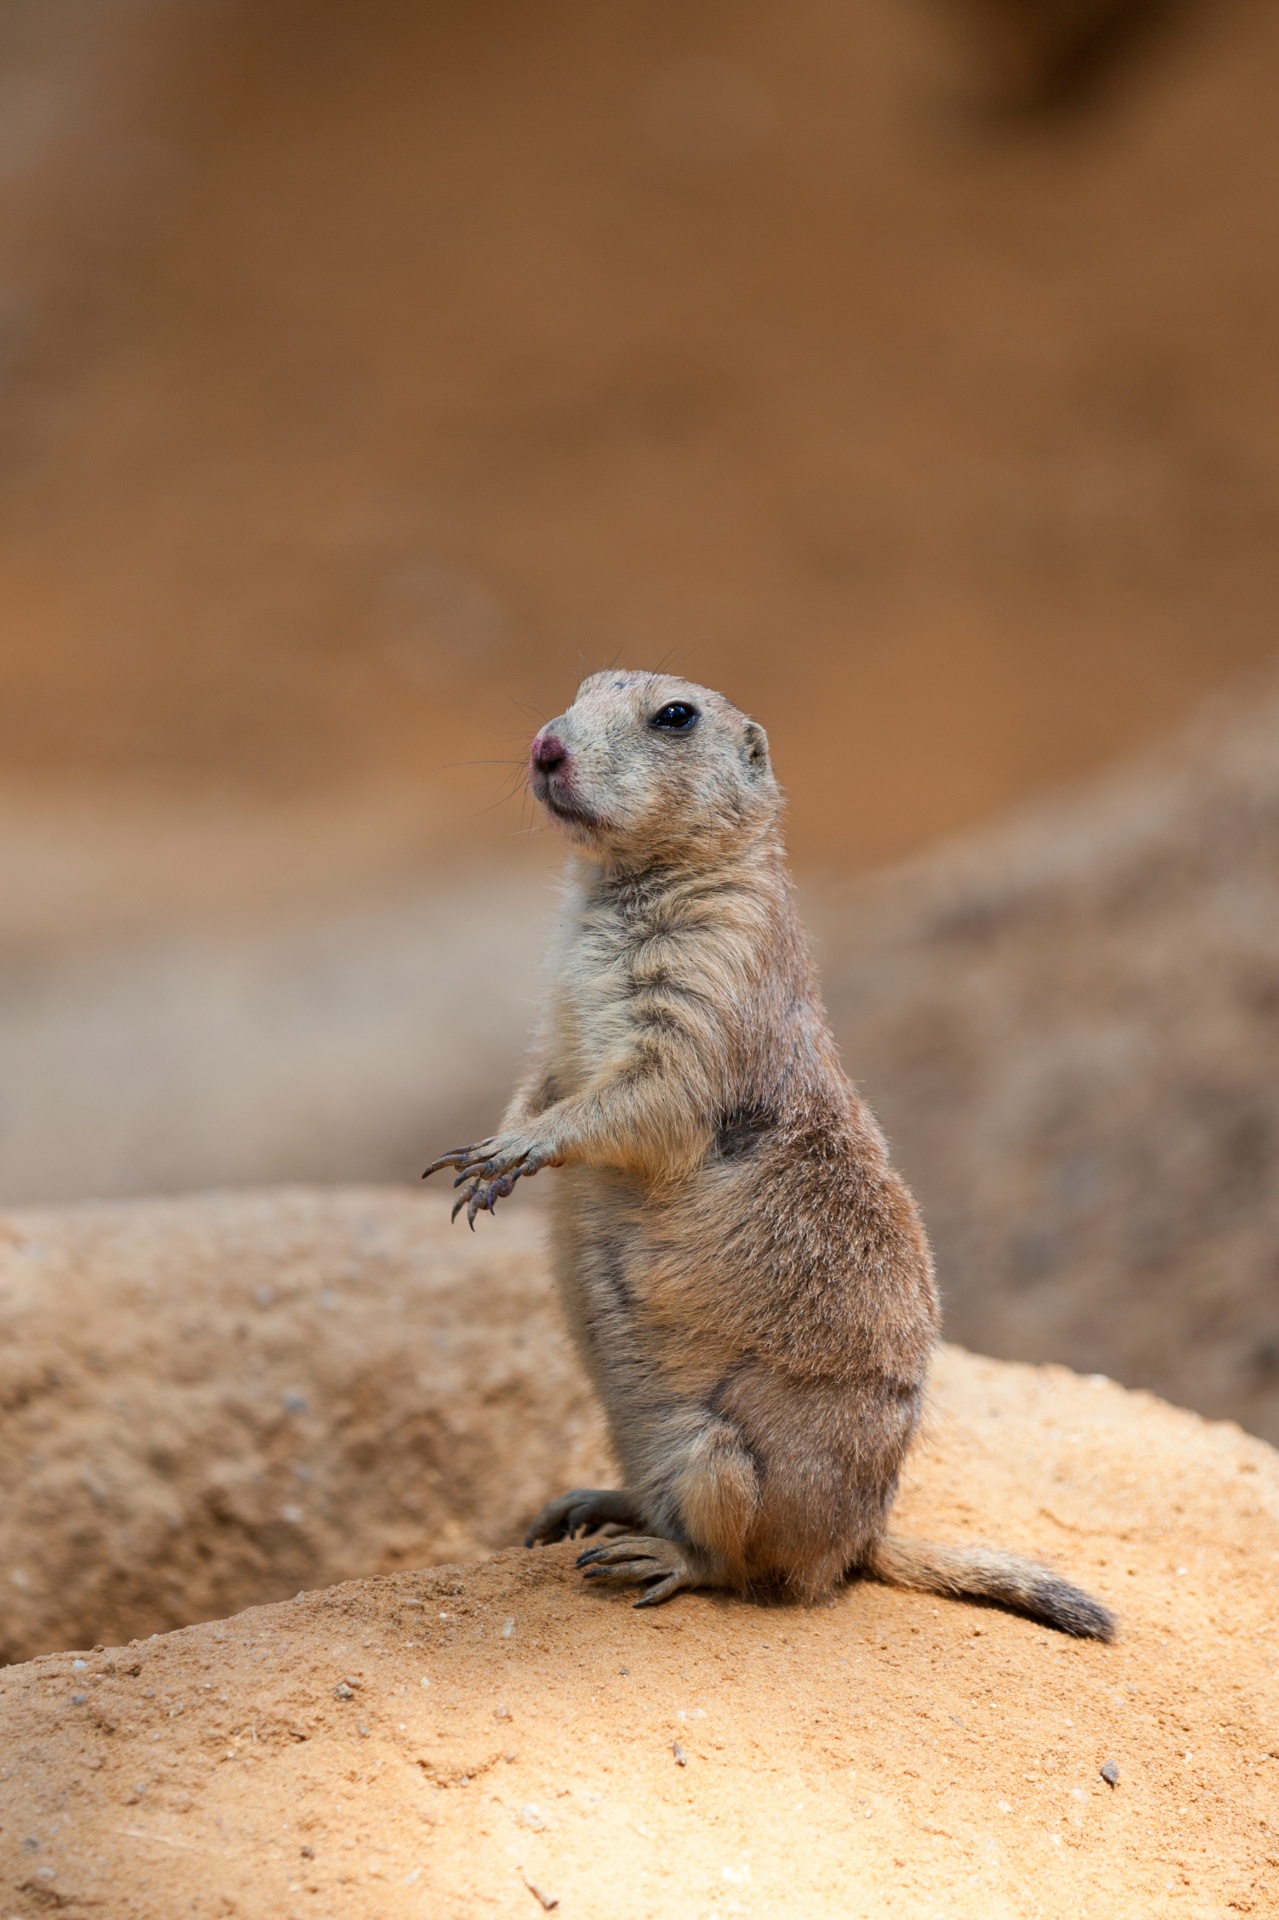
{"x": 569, "y": 811}
{"x": 562, "y": 805}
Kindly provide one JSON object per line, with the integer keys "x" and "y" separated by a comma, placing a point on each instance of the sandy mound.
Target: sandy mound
{"x": 450, "y": 1742}
{"x": 212, "y": 1402}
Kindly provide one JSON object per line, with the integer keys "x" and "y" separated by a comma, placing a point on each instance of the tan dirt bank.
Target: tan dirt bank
{"x": 346, "y": 1753}
{"x": 214, "y": 1401}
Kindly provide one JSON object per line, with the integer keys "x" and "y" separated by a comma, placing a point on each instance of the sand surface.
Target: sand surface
{"x": 487, "y": 1738}
{"x": 443, "y": 1740}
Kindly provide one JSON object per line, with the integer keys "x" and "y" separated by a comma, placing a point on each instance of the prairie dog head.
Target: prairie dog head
{"x": 645, "y": 764}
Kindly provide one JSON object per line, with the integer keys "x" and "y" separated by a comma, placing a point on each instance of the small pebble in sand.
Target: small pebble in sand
{"x": 343, "y": 1692}
{"x": 681, "y": 1758}
{"x": 547, "y": 1901}
{"x": 531, "y": 1816}
{"x": 1110, "y": 1773}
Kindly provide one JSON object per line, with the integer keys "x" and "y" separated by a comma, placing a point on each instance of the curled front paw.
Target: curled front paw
{"x": 487, "y": 1171}
{"x": 584, "y": 1510}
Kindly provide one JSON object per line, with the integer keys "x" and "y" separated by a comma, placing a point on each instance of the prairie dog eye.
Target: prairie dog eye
{"x": 678, "y": 717}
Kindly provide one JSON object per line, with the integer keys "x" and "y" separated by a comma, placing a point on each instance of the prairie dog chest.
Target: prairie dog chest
{"x": 593, "y": 993}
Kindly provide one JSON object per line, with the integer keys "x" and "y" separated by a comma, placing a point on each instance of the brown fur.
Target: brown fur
{"x": 745, "y": 1274}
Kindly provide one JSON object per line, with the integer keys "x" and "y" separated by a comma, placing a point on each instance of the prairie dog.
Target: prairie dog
{"x": 746, "y": 1276}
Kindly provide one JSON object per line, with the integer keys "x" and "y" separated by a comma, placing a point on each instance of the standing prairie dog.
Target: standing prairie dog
{"x": 746, "y": 1276}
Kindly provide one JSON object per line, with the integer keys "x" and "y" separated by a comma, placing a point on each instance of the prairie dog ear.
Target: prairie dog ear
{"x": 755, "y": 748}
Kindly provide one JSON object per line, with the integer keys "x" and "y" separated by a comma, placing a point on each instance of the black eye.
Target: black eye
{"x": 677, "y": 718}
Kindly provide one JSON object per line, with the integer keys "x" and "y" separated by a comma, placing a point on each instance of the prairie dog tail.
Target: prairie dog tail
{"x": 988, "y": 1574}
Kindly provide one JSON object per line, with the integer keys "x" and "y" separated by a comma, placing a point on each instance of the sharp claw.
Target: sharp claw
{"x": 663, "y": 1590}
{"x": 449, "y": 1159}
{"x": 591, "y": 1553}
{"x": 626, "y": 1573}
{"x": 463, "y": 1157}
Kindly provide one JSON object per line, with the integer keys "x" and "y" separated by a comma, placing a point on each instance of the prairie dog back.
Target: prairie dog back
{"x": 745, "y": 1274}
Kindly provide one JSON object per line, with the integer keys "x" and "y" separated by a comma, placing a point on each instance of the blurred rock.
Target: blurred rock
{"x": 1070, "y": 1029}
{"x": 1044, "y": 56}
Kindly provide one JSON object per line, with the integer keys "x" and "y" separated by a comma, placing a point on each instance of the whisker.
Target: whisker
{"x": 447, "y": 765}
{"x": 503, "y": 799}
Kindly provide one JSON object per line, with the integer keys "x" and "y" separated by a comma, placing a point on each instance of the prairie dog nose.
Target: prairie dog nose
{"x": 548, "y": 752}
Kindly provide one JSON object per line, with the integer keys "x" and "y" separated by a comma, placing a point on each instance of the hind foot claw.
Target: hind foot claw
{"x": 634, "y": 1559}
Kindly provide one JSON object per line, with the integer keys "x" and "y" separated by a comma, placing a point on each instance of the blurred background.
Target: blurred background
{"x": 905, "y": 368}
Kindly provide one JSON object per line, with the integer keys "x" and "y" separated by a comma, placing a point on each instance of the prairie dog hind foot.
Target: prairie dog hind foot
{"x": 583, "y": 1510}
{"x": 661, "y": 1567}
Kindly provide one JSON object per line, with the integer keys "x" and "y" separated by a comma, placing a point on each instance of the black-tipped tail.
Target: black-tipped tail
{"x": 985, "y": 1573}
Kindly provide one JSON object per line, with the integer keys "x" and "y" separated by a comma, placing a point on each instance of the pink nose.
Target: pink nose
{"x": 549, "y": 752}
